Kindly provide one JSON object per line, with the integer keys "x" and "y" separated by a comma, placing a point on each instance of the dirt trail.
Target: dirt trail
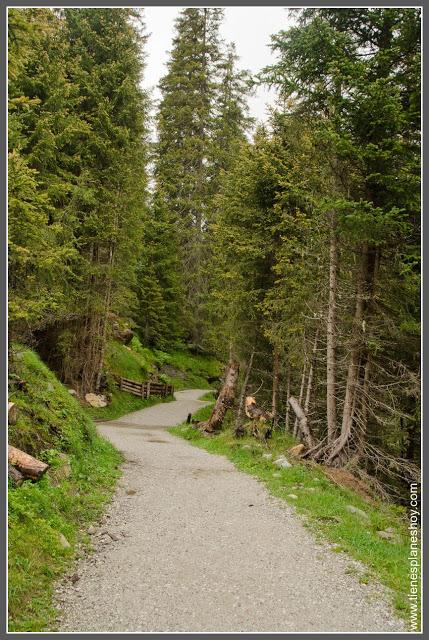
{"x": 192, "y": 544}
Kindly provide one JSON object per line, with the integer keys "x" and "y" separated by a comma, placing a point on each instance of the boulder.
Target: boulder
{"x": 282, "y": 462}
{"x": 96, "y": 401}
{"x": 389, "y": 535}
{"x": 351, "y": 509}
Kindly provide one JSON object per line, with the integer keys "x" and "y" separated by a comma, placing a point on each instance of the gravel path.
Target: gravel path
{"x": 191, "y": 544}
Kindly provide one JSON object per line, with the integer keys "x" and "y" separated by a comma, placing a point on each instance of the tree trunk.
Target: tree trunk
{"x": 275, "y": 393}
{"x": 331, "y": 365}
{"x": 301, "y": 393}
{"x": 303, "y": 422}
{"x": 29, "y": 467}
{"x": 364, "y": 288}
{"x": 287, "y": 399}
{"x": 224, "y": 401}
{"x": 311, "y": 375}
{"x": 239, "y": 431}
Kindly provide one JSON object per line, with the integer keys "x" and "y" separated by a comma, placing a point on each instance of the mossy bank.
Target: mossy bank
{"x": 47, "y": 519}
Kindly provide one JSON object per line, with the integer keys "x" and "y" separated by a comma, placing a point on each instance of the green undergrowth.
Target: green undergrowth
{"x": 122, "y": 403}
{"x": 53, "y": 427}
{"x": 322, "y": 505}
{"x": 208, "y": 397}
{"x": 181, "y": 369}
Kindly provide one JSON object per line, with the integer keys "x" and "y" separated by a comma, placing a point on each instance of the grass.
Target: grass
{"x": 322, "y": 505}
{"x": 52, "y": 426}
{"x": 209, "y": 396}
{"x": 122, "y": 403}
{"x": 133, "y": 361}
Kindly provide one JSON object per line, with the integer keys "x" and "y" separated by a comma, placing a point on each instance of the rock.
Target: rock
{"x": 130, "y": 492}
{"x": 293, "y": 496}
{"x": 72, "y": 392}
{"x": 246, "y": 446}
{"x": 91, "y": 530}
{"x": 96, "y": 401}
{"x": 64, "y": 542}
{"x": 297, "y": 450}
{"x": 114, "y": 536}
{"x": 267, "y": 456}
{"x": 282, "y": 462}
{"x": 351, "y": 509}
{"x": 389, "y": 535}
{"x": 74, "y": 578}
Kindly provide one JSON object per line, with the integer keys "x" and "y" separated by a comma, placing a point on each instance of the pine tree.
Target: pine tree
{"x": 109, "y": 198}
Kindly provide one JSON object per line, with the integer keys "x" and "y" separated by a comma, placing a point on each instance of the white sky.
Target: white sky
{"x": 249, "y": 27}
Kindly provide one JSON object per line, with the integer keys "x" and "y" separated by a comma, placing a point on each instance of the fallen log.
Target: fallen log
{"x": 27, "y": 465}
{"x": 224, "y": 401}
{"x": 12, "y": 413}
{"x": 15, "y": 476}
{"x": 303, "y": 422}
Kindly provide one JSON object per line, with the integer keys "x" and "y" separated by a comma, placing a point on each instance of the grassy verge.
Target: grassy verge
{"x": 83, "y": 472}
{"x": 209, "y": 396}
{"x": 323, "y": 506}
{"x": 122, "y": 403}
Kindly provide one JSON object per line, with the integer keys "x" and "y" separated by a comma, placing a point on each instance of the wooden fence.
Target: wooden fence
{"x": 145, "y": 389}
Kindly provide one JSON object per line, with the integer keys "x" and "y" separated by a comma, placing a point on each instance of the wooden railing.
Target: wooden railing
{"x": 145, "y": 389}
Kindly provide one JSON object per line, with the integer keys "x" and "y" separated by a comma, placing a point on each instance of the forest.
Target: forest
{"x": 289, "y": 249}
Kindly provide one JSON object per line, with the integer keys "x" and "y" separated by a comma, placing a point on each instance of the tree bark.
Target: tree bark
{"x": 311, "y": 376}
{"x": 303, "y": 422}
{"x": 301, "y": 393}
{"x": 15, "y": 476}
{"x": 12, "y": 413}
{"x": 287, "y": 400}
{"x": 29, "y": 467}
{"x": 275, "y": 392}
{"x": 224, "y": 401}
{"x": 239, "y": 431}
{"x": 331, "y": 365}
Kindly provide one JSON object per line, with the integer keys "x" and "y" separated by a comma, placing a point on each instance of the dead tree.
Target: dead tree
{"x": 304, "y": 428}
{"x": 301, "y": 393}
{"x": 331, "y": 345}
{"x": 275, "y": 392}
{"x": 225, "y": 400}
{"x": 239, "y": 431}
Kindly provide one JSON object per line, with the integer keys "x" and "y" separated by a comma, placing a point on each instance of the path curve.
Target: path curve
{"x": 189, "y": 543}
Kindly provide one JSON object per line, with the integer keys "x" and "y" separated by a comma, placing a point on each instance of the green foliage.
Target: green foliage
{"x": 201, "y": 118}
{"x": 50, "y": 421}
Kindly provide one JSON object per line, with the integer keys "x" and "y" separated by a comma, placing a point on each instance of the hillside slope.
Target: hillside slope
{"x": 46, "y": 518}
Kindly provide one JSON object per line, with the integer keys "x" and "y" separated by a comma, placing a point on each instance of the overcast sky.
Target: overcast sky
{"x": 249, "y": 27}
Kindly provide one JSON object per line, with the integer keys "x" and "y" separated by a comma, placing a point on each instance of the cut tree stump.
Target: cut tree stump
{"x": 29, "y": 467}
{"x": 15, "y": 475}
{"x": 224, "y": 401}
